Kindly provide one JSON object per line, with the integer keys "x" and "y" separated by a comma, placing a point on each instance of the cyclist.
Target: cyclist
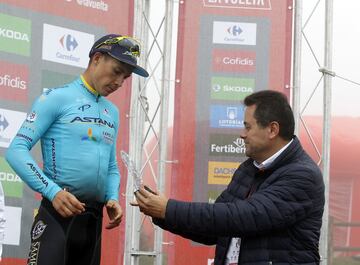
{"x": 78, "y": 129}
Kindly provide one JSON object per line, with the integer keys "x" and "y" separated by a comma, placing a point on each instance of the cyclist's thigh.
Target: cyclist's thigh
{"x": 47, "y": 239}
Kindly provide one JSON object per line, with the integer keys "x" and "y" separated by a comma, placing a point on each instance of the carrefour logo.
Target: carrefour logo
{"x": 68, "y": 42}
{"x": 238, "y": 33}
{"x": 3, "y": 123}
{"x": 234, "y": 30}
{"x": 66, "y": 46}
{"x": 15, "y": 35}
{"x": 10, "y": 123}
{"x": 226, "y": 88}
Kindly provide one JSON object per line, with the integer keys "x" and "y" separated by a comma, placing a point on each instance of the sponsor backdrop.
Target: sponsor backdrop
{"x": 45, "y": 44}
{"x": 226, "y": 51}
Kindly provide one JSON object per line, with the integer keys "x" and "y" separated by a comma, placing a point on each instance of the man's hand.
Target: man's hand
{"x": 115, "y": 214}
{"x": 67, "y": 205}
{"x": 150, "y": 204}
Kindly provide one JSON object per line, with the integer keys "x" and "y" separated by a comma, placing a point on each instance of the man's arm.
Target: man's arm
{"x": 281, "y": 204}
{"x": 155, "y": 206}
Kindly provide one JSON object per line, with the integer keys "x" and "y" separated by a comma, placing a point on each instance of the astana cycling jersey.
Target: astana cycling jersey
{"x": 78, "y": 131}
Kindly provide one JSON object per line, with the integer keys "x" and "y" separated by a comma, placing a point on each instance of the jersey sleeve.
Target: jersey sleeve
{"x": 43, "y": 113}
{"x": 113, "y": 179}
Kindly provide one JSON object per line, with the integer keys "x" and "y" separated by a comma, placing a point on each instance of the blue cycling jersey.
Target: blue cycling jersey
{"x": 78, "y": 131}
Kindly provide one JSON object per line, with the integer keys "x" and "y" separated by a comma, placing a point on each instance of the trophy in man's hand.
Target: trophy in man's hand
{"x": 132, "y": 172}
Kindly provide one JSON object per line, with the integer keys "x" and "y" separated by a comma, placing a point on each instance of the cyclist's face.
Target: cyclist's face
{"x": 109, "y": 74}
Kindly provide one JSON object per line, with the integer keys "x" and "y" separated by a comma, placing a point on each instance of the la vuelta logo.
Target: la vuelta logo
{"x": 245, "y": 4}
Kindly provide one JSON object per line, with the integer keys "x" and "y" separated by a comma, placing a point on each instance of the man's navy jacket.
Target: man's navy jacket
{"x": 276, "y": 212}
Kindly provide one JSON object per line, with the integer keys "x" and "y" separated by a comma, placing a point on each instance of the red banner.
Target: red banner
{"x": 222, "y": 45}
{"x": 31, "y": 32}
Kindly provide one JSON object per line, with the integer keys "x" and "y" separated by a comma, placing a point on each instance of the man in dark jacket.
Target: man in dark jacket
{"x": 271, "y": 212}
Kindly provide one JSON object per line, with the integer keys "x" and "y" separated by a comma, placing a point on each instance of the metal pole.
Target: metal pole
{"x": 137, "y": 119}
{"x": 327, "y": 125}
{"x": 297, "y": 63}
{"x": 164, "y": 113}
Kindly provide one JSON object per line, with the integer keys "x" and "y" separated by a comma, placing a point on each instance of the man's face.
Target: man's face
{"x": 256, "y": 138}
{"x": 109, "y": 74}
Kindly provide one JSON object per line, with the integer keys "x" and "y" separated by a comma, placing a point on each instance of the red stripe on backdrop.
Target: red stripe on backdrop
{"x": 11, "y": 261}
{"x": 108, "y": 13}
{"x": 197, "y": 43}
{"x": 114, "y": 17}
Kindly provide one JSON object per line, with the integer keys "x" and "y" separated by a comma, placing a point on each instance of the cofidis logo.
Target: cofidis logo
{"x": 66, "y": 46}
{"x": 227, "y": 116}
{"x": 15, "y": 35}
{"x": 14, "y": 79}
{"x": 233, "y": 61}
{"x": 226, "y": 88}
{"x": 12, "y": 184}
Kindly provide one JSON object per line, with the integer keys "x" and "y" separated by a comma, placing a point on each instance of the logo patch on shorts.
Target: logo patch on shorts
{"x": 38, "y": 230}
{"x": 34, "y": 252}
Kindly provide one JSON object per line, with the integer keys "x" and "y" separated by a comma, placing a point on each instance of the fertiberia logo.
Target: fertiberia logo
{"x": 15, "y": 35}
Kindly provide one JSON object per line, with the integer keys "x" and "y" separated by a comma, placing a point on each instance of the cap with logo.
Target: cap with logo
{"x": 123, "y": 48}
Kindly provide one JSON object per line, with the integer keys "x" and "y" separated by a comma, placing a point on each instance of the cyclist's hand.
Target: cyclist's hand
{"x": 114, "y": 212}
{"x": 67, "y": 205}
